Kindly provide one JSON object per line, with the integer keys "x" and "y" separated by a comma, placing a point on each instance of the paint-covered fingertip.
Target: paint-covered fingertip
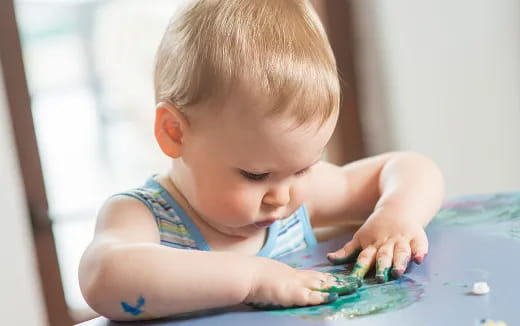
{"x": 359, "y": 271}
{"x": 382, "y": 278}
{"x": 397, "y": 272}
{"x": 330, "y": 297}
{"x": 344, "y": 285}
{"x": 419, "y": 259}
{"x": 382, "y": 274}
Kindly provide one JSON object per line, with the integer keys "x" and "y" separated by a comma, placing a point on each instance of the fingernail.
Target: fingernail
{"x": 330, "y": 297}
{"x": 419, "y": 259}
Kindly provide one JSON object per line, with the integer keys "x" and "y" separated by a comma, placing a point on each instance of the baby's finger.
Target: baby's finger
{"x": 365, "y": 260}
{"x": 419, "y": 248}
{"x": 343, "y": 285}
{"x": 347, "y": 254}
{"x": 402, "y": 253}
{"x": 321, "y": 281}
{"x": 384, "y": 261}
{"x": 316, "y": 297}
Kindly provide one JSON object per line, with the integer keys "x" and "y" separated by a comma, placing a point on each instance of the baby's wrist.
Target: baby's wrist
{"x": 395, "y": 215}
{"x": 255, "y": 269}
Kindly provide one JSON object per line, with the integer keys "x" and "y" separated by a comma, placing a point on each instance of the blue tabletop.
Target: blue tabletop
{"x": 472, "y": 239}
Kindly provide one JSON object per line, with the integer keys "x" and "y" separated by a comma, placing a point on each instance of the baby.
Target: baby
{"x": 247, "y": 97}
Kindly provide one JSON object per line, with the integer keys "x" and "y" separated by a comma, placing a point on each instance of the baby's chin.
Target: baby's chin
{"x": 249, "y": 231}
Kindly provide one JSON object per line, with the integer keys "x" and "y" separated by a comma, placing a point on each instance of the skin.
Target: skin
{"x": 397, "y": 193}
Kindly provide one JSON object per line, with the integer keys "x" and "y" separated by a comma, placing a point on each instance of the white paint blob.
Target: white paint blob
{"x": 480, "y": 288}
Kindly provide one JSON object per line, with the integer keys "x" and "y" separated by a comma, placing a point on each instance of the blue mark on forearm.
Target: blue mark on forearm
{"x": 134, "y": 310}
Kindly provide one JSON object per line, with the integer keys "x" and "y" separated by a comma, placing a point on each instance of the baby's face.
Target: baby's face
{"x": 241, "y": 171}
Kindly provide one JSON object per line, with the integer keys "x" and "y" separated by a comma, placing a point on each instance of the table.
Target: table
{"x": 475, "y": 238}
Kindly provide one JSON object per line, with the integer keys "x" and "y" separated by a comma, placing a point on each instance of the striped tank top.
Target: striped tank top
{"x": 178, "y": 231}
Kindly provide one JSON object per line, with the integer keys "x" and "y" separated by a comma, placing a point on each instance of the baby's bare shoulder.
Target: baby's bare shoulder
{"x": 126, "y": 219}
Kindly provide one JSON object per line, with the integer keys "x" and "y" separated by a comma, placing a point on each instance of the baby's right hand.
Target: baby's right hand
{"x": 276, "y": 285}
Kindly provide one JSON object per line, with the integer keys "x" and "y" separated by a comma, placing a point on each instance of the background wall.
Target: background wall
{"x": 20, "y": 298}
{"x": 443, "y": 78}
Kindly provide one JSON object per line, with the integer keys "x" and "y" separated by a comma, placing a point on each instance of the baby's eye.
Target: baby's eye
{"x": 302, "y": 172}
{"x": 253, "y": 176}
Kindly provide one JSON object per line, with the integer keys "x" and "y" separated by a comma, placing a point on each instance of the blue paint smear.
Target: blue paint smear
{"x": 134, "y": 310}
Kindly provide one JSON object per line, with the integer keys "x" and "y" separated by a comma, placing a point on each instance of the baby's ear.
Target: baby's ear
{"x": 170, "y": 128}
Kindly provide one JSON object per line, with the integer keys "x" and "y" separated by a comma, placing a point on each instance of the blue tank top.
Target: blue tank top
{"x": 178, "y": 231}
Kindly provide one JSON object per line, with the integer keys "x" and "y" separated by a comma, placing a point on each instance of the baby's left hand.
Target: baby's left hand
{"x": 388, "y": 240}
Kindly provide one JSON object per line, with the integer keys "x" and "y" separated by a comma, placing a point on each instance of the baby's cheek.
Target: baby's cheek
{"x": 238, "y": 205}
{"x": 298, "y": 196}
{"x": 243, "y": 201}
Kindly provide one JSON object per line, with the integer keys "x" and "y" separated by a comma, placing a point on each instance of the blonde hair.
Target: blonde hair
{"x": 278, "y": 47}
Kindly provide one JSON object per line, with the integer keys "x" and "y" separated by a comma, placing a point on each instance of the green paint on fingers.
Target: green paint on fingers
{"x": 345, "y": 285}
{"x": 368, "y": 300}
{"x": 331, "y": 297}
{"x": 382, "y": 274}
{"x": 359, "y": 271}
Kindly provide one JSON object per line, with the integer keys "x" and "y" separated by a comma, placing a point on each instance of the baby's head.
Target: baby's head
{"x": 248, "y": 96}
{"x": 274, "y": 50}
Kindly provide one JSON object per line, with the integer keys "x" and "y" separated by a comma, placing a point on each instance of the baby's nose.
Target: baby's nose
{"x": 278, "y": 196}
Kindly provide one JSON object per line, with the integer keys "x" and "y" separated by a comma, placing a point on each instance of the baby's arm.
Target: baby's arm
{"x": 126, "y": 274}
{"x": 398, "y": 193}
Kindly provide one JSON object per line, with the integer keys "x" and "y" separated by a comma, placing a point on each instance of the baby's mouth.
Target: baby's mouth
{"x": 265, "y": 223}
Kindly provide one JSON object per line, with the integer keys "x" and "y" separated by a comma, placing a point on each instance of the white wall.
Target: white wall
{"x": 443, "y": 78}
{"x": 21, "y": 302}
